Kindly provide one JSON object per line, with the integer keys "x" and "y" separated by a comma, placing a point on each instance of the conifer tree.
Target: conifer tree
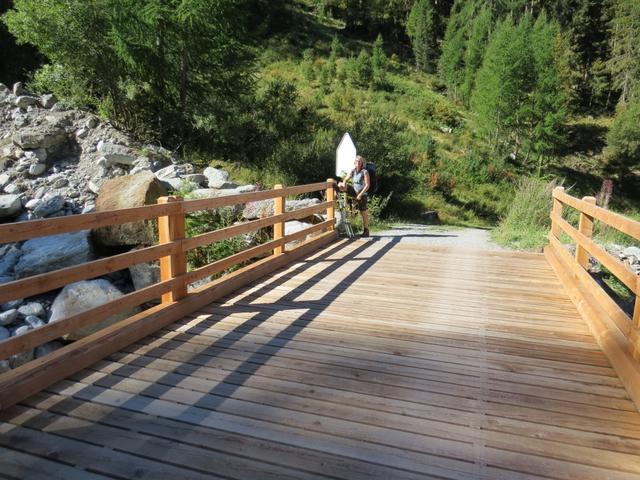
{"x": 171, "y": 66}
{"x": 362, "y": 69}
{"x": 548, "y": 100}
{"x": 474, "y": 50}
{"x": 622, "y": 153}
{"x": 625, "y": 40}
{"x": 503, "y": 83}
{"x": 422, "y": 30}
{"x": 379, "y": 62}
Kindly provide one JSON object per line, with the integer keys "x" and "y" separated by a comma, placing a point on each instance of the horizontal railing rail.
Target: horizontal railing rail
{"x": 617, "y": 332}
{"x": 175, "y": 278}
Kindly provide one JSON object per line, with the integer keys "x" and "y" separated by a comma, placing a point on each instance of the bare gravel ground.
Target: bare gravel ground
{"x": 434, "y": 235}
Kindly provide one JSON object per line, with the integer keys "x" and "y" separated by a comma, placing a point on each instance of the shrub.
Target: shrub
{"x": 527, "y": 221}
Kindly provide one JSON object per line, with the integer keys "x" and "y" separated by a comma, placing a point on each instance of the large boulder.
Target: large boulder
{"x": 40, "y": 255}
{"x": 126, "y": 192}
{"x": 10, "y": 206}
{"x": 144, "y": 274}
{"x": 41, "y": 136}
{"x": 116, "y": 154}
{"x": 78, "y": 297}
{"x": 216, "y": 178}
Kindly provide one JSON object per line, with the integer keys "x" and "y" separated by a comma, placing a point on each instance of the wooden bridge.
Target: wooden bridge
{"x": 333, "y": 359}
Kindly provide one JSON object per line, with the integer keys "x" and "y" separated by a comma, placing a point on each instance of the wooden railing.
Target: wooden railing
{"x": 175, "y": 278}
{"x": 617, "y": 332}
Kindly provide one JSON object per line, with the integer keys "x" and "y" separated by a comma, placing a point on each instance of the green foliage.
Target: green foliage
{"x": 307, "y": 65}
{"x": 381, "y": 139}
{"x": 625, "y": 59}
{"x": 361, "y": 72}
{"x": 164, "y": 68}
{"x": 379, "y": 63}
{"x": 527, "y": 222}
{"x": 208, "y": 221}
{"x": 422, "y": 30}
{"x": 377, "y": 205}
{"x": 474, "y": 50}
{"x": 622, "y": 154}
{"x": 519, "y": 98}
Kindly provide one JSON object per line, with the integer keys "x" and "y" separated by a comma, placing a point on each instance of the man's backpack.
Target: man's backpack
{"x": 373, "y": 178}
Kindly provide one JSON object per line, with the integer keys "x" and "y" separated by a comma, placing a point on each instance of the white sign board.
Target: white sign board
{"x": 345, "y": 156}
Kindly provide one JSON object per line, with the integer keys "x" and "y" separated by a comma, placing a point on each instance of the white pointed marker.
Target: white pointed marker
{"x": 345, "y": 155}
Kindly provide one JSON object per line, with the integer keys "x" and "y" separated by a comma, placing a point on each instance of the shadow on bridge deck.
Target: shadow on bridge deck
{"x": 370, "y": 359}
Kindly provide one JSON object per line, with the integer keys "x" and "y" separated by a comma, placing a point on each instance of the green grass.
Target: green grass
{"x": 473, "y": 186}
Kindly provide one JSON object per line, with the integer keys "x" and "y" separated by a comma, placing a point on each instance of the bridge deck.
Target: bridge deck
{"x": 371, "y": 359}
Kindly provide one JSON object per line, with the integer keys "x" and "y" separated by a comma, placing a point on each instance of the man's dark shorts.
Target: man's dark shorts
{"x": 361, "y": 204}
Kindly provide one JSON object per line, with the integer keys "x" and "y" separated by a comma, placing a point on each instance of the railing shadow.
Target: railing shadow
{"x": 235, "y": 379}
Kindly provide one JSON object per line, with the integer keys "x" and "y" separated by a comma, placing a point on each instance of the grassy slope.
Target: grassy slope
{"x": 417, "y": 99}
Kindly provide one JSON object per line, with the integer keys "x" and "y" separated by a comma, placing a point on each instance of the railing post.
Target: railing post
{"x": 278, "y": 228}
{"x": 585, "y": 227}
{"x": 557, "y": 209}
{"x": 331, "y": 197}
{"x": 171, "y": 228}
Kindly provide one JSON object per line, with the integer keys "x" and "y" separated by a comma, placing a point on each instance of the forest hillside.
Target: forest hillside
{"x": 474, "y": 109}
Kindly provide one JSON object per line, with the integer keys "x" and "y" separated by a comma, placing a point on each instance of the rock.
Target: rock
{"x": 10, "y": 206}
{"x": 40, "y": 255}
{"x": 116, "y": 154}
{"x": 44, "y": 136}
{"x": 4, "y": 333}
{"x": 94, "y": 186}
{"x": 81, "y": 133}
{"x": 430, "y": 216}
{"x": 92, "y": 122}
{"x": 126, "y": 192}
{"x": 81, "y": 296}
{"x": 18, "y": 89}
{"x": 34, "y": 309}
{"x": 11, "y": 305}
{"x": 5, "y": 178}
{"x": 34, "y": 322}
{"x": 25, "y": 101}
{"x": 47, "y": 348}
{"x": 10, "y": 256}
{"x": 8, "y": 317}
{"x": 39, "y": 154}
{"x": 144, "y": 274}
{"x": 4, "y": 366}
{"x": 631, "y": 252}
{"x": 174, "y": 171}
{"x": 19, "y": 329}
{"x": 293, "y": 227}
{"x": 195, "y": 178}
{"x": 11, "y": 189}
{"x": 37, "y": 169}
{"x": 33, "y": 203}
{"x": 50, "y": 204}
{"x": 48, "y": 100}
{"x": 247, "y": 188}
{"x": 20, "y": 359}
{"x": 264, "y": 208}
{"x": 259, "y": 209}
{"x": 215, "y": 177}
{"x": 88, "y": 208}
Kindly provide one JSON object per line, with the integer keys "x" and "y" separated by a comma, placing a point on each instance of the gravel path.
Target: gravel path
{"x": 434, "y": 235}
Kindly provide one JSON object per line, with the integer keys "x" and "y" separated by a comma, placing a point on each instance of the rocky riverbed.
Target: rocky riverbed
{"x": 56, "y": 162}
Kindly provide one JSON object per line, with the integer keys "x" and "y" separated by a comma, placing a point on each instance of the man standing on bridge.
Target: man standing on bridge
{"x": 359, "y": 188}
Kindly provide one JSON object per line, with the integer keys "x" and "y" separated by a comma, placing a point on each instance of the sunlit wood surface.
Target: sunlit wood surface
{"x": 371, "y": 359}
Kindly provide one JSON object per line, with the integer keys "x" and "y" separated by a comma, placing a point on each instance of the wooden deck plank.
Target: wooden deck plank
{"x": 369, "y": 359}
